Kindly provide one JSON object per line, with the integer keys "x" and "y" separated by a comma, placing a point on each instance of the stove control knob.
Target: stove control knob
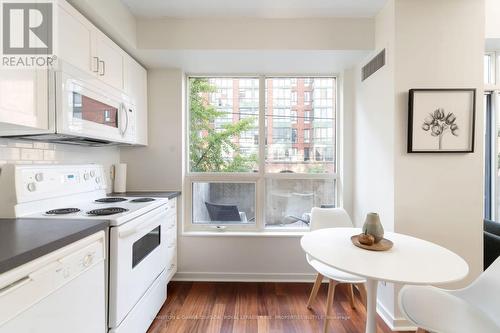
{"x": 92, "y": 173}
{"x": 31, "y": 187}
{"x": 86, "y": 176}
{"x": 98, "y": 180}
{"x": 39, "y": 177}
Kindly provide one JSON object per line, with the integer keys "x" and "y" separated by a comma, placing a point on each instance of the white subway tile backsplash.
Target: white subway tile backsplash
{"x": 10, "y": 154}
{"x": 28, "y": 154}
{"x": 20, "y": 144}
{"x": 49, "y": 155}
{"x": 43, "y": 145}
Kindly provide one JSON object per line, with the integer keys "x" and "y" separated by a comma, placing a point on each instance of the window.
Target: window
{"x": 221, "y": 134}
{"x": 489, "y": 68}
{"x": 307, "y": 135}
{"x": 306, "y": 154}
{"x": 294, "y": 135}
{"x": 259, "y": 163}
{"x": 307, "y": 98}
{"x": 307, "y": 117}
{"x": 492, "y": 158}
{"x": 227, "y": 203}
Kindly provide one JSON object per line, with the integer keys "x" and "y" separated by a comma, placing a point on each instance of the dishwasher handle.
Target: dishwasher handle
{"x": 14, "y": 285}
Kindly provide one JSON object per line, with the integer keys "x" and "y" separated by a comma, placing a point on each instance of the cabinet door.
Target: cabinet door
{"x": 111, "y": 59}
{"x": 75, "y": 39}
{"x": 24, "y": 101}
{"x": 136, "y": 86}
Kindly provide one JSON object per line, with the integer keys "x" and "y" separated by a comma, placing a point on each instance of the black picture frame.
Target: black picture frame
{"x": 411, "y": 113}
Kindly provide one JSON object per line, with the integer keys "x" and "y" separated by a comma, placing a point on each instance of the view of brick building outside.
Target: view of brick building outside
{"x": 300, "y": 120}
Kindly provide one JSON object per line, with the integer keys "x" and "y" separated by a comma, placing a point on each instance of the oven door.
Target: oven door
{"x": 138, "y": 254}
{"x": 90, "y": 109}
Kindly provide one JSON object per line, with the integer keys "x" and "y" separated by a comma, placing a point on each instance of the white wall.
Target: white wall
{"x": 373, "y": 126}
{"x": 492, "y": 23}
{"x": 430, "y": 196}
{"x": 255, "y": 34}
{"x": 440, "y": 197}
{"x": 374, "y": 139}
{"x": 159, "y": 165}
{"x": 28, "y": 152}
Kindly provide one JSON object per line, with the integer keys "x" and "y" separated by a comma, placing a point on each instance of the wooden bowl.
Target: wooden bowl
{"x": 383, "y": 245}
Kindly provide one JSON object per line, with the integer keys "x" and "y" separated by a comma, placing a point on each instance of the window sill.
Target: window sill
{"x": 244, "y": 233}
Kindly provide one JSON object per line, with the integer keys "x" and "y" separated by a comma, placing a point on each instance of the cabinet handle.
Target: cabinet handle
{"x": 103, "y": 68}
{"x": 95, "y": 65}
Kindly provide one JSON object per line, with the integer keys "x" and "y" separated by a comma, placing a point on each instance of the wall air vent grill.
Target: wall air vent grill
{"x": 374, "y": 65}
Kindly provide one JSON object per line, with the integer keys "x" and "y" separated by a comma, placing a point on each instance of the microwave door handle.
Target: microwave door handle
{"x": 123, "y": 110}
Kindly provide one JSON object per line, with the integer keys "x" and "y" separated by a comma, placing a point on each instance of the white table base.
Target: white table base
{"x": 371, "y": 306}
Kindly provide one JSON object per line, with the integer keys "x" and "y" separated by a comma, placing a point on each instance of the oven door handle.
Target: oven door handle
{"x": 145, "y": 225}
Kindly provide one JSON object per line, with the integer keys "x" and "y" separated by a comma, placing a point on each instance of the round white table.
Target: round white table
{"x": 409, "y": 261}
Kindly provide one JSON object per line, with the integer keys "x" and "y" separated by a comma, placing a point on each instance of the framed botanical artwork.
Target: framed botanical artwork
{"x": 441, "y": 120}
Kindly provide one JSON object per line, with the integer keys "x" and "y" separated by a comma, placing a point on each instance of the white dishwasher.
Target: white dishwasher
{"x": 63, "y": 291}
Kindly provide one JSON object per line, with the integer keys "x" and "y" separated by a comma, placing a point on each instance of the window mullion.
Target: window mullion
{"x": 261, "y": 191}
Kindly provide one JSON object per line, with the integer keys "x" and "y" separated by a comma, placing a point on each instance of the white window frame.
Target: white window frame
{"x": 493, "y": 73}
{"x": 260, "y": 177}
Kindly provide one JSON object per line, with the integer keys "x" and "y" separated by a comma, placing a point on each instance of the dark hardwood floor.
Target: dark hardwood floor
{"x": 210, "y": 307}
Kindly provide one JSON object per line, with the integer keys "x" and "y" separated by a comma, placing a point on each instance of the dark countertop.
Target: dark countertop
{"x": 23, "y": 240}
{"x": 158, "y": 194}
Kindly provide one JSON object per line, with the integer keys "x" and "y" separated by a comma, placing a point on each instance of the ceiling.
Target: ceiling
{"x": 254, "y": 8}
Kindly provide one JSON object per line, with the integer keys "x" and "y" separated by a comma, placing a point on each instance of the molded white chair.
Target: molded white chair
{"x": 332, "y": 218}
{"x": 475, "y": 308}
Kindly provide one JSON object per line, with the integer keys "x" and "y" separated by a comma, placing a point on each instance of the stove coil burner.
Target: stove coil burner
{"x": 107, "y": 211}
{"x": 62, "y": 211}
{"x": 142, "y": 200}
{"x": 110, "y": 199}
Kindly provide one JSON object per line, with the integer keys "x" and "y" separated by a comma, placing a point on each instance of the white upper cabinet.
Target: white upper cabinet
{"x": 136, "y": 86}
{"x": 24, "y": 104}
{"x": 75, "y": 39}
{"x": 110, "y": 61}
{"x": 84, "y": 46}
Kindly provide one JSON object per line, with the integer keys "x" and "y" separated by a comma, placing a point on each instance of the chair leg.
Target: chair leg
{"x": 351, "y": 295}
{"x": 362, "y": 291}
{"x": 329, "y": 302}
{"x": 314, "y": 291}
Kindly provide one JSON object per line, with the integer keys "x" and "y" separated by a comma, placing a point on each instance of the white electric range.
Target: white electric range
{"x": 138, "y": 233}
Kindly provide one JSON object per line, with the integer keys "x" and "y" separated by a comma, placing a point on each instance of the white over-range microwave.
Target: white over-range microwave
{"x": 83, "y": 111}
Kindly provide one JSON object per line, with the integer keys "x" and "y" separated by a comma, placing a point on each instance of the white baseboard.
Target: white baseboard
{"x": 244, "y": 277}
{"x": 395, "y": 324}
